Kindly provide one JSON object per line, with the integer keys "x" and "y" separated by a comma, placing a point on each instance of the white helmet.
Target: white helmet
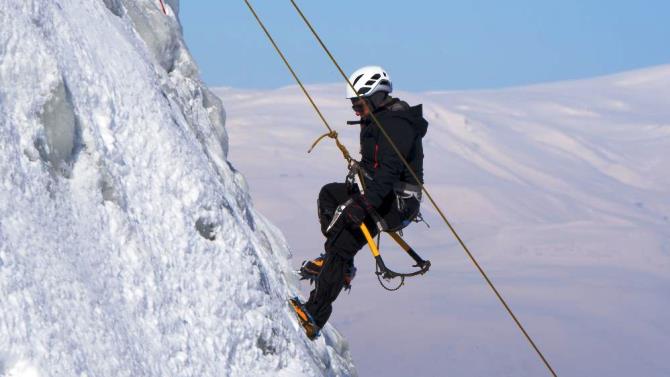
{"x": 369, "y": 80}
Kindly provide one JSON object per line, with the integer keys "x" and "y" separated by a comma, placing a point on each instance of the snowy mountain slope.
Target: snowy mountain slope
{"x": 560, "y": 191}
{"x": 128, "y": 243}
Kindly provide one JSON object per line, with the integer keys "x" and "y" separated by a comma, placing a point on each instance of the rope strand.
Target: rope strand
{"x": 295, "y": 76}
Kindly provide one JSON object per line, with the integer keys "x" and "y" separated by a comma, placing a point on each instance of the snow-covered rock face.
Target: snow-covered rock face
{"x": 128, "y": 243}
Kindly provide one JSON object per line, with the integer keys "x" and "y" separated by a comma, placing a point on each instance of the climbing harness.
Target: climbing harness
{"x": 404, "y": 161}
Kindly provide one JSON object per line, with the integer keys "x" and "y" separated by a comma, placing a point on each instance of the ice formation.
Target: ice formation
{"x": 128, "y": 244}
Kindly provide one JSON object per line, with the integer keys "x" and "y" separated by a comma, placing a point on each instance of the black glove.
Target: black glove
{"x": 350, "y": 214}
{"x": 355, "y": 212}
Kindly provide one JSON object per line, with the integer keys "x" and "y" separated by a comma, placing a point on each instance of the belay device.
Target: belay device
{"x": 356, "y": 176}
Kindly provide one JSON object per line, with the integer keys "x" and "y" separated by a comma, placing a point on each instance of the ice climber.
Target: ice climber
{"x": 389, "y": 190}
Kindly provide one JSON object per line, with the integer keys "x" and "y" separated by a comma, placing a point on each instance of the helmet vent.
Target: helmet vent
{"x": 370, "y": 82}
{"x": 384, "y": 82}
{"x": 357, "y": 78}
{"x": 364, "y": 90}
{"x": 376, "y": 76}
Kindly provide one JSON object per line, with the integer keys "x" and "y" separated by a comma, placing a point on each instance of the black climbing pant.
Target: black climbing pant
{"x": 341, "y": 246}
{"x": 342, "y": 243}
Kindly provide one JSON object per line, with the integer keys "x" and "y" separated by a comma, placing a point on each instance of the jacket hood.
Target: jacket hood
{"x": 412, "y": 114}
{"x": 417, "y": 119}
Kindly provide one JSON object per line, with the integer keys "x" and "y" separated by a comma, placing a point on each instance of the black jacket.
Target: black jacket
{"x": 406, "y": 126}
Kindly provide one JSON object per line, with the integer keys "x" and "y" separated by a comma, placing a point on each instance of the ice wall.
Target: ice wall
{"x": 128, "y": 244}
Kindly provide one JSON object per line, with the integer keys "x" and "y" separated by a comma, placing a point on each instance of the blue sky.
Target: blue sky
{"x": 428, "y": 45}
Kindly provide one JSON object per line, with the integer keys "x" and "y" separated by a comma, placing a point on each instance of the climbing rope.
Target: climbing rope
{"x": 333, "y": 134}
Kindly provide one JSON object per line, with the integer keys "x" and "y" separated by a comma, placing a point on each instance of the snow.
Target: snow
{"x": 128, "y": 243}
{"x": 561, "y": 192}
{"x": 59, "y": 127}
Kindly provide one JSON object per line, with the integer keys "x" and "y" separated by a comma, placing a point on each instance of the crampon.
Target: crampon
{"x": 311, "y": 269}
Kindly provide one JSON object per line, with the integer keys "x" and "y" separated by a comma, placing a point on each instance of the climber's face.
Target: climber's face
{"x": 360, "y": 106}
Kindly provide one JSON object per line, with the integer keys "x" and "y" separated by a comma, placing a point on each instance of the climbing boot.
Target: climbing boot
{"x": 311, "y": 269}
{"x": 305, "y": 319}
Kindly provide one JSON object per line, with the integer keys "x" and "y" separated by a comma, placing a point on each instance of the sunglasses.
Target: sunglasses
{"x": 358, "y": 106}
